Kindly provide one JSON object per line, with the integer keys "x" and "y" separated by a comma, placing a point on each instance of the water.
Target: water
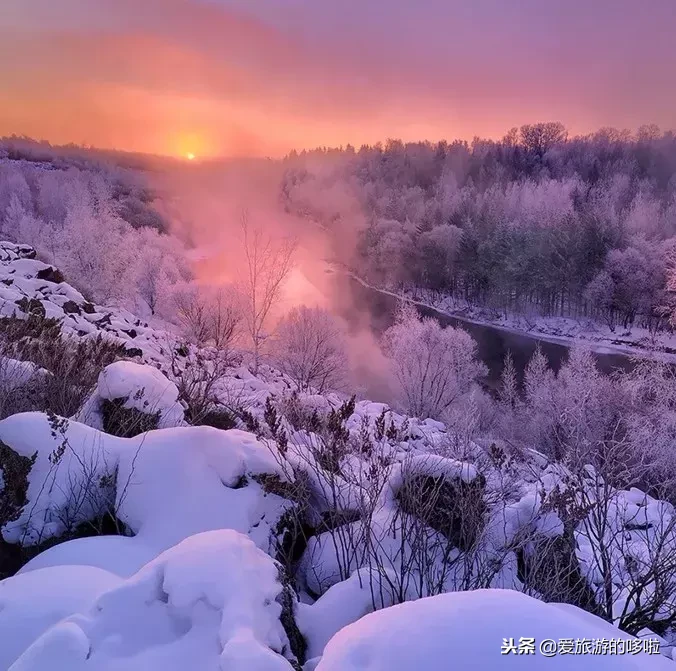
{"x": 492, "y": 343}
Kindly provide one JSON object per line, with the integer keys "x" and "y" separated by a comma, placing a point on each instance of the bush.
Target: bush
{"x": 126, "y": 422}
{"x": 197, "y": 375}
{"x": 219, "y": 418}
{"x": 67, "y": 369}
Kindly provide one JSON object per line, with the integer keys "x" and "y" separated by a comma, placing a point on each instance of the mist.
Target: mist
{"x": 205, "y": 201}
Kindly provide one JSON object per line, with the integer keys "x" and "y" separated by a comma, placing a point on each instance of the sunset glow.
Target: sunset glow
{"x": 229, "y": 77}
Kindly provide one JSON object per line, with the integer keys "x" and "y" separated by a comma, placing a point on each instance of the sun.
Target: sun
{"x": 190, "y": 156}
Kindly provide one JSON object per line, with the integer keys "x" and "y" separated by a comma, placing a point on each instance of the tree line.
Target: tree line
{"x": 537, "y": 222}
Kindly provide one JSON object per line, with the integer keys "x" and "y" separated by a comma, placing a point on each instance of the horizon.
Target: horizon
{"x": 224, "y": 79}
{"x": 630, "y": 134}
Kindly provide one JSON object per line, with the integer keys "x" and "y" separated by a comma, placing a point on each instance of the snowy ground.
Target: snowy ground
{"x": 196, "y": 582}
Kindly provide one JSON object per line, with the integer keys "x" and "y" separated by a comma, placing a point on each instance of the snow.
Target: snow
{"x": 15, "y": 373}
{"x": 637, "y": 342}
{"x": 145, "y": 388}
{"x": 330, "y": 556}
{"x": 342, "y": 604}
{"x": 466, "y": 630}
{"x": 173, "y": 483}
{"x": 31, "y": 603}
{"x": 120, "y": 555}
{"x": 208, "y": 603}
{"x": 60, "y": 488}
{"x": 190, "y": 589}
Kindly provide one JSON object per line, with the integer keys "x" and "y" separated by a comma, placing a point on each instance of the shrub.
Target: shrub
{"x": 126, "y": 422}
{"x": 68, "y": 367}
{"x": 219, "y": 418}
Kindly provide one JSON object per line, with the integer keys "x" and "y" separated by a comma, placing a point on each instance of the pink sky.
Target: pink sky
{"x": 234, "y": 77}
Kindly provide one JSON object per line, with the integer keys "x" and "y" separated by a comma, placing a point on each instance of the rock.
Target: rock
{"x": 454, "y": 508}
{"x": 50, "y": 274}
{"x": 126, "y": 422}
{"x": 71, "y": 307}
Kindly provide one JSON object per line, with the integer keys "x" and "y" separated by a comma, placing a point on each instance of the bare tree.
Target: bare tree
{"x": 268, "y": 263}
{"x": 209, "y": 315}
{"x": 191, "y": 312}
{"x": 539, "y": 137}
{"x": 311, "y": 349}
{"x": 225, "y": 315}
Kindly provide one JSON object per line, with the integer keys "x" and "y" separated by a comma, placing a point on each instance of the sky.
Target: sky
{"x": 262, "y": 77}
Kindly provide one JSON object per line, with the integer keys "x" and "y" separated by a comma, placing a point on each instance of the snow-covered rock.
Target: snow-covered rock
{"x": 136, "y": 386}
{"x": 165, "y": 485}
{"x": 120, "y": 555}
{"x": 29, "y": 286}
{"x": 61, "y": 472}
{"x": 342, "y": 604}
{"x": 173, "y": 483}
{"x": 211, "y": 602}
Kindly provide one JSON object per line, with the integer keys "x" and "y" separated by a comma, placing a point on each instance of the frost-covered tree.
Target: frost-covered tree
{"x": 538, "y": 216}
{"x": 440, "y": 247}
{"x": 509, "y": 384}
{"x": 311, "y": 349}
{"x": 539, "y": 137}
{"x": 433, "y": 366}
{"x": 162, "y": 264}
{"x": 96, "y": 251}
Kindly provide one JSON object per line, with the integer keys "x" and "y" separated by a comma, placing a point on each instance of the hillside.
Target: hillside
{"x": 162, "y": 507}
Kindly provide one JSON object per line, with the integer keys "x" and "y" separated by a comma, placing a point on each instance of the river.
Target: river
{"x": 358, "y": 301}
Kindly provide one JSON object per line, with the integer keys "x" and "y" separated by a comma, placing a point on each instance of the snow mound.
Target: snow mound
{"x": 173, "y": 483}
{"x": 342, "y": 604}
{"x": 14, "y": 374}
{"x": 66, "y": 482}
{"x": 208, "y": 603}
{"x": 143, "y": 388}
{"x": 121, "y": 555}
{"x": 465, "y": 630}
{"x": 170, "y": 484}
{"x": 32, "y": 603}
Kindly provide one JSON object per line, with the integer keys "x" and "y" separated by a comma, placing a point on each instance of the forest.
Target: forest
{"x": 536, "y": 223}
